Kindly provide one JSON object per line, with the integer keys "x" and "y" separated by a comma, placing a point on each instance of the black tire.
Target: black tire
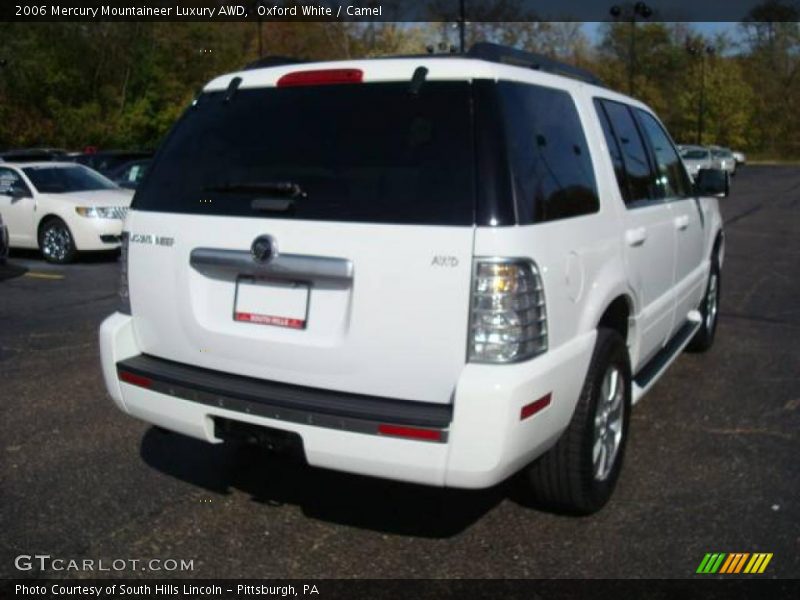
{"x": 709, "y": 310}
{"x": 564, "y": 479}
{"x": 56, "y": 242}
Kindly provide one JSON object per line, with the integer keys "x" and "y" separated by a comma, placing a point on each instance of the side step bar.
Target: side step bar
{"x": 650, "y": 372}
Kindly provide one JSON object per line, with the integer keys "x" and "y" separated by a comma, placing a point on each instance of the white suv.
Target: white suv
{"x": 441, "y": 270}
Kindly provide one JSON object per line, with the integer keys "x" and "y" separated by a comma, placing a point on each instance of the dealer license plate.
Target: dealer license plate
{"x": 276, "y": 303}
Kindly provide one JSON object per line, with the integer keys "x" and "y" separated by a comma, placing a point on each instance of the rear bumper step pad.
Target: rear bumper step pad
{"x": 286, "y": 402}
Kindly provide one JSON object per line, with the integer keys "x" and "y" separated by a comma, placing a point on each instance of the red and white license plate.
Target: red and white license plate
{"x": 276, "y": 303}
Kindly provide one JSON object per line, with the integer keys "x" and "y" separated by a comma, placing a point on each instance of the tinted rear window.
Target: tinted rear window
{"x": 550, "y": 163}
{"x": 370, "y": 152}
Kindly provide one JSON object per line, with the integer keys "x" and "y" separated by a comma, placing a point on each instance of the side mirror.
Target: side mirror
{"x": 18, "y": 193}
{"x": 712, "y": 182}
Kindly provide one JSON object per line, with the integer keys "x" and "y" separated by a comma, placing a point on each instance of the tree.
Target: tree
{"x": 772, "y": 68}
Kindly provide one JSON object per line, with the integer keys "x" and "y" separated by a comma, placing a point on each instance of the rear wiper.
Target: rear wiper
{"x": 281, "y": 195}
{"x": 285, "y": 189}
{"x": 272, "y": 204}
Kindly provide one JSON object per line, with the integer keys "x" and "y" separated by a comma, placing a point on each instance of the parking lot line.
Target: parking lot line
{"x": 38, "y": 275}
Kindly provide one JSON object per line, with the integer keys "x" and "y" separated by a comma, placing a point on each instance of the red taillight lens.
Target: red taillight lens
{"x": 431, "y": 435}
{"x": 321, "y": 77}
{"x": 534, "y": 407}
{"x": 135, "y": 379}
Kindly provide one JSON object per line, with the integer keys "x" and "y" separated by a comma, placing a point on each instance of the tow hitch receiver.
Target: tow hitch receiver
{"x": 275, "y": 440}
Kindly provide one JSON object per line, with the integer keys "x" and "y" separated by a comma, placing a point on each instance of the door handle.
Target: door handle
{"x": 636, "y": 237}
{"x": 682, "y": 222}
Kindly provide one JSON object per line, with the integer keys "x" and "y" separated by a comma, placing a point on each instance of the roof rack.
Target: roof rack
{"x": 273, "y": 61}
{"x": 496, "y": 53}
{"x": 520, "y": 58}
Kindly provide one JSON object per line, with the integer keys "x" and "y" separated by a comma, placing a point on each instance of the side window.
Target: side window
{"x": 634, "y": 155}
{"x": 550, "y": 163}
{"x": 615, "y": 151}
{"x": 671, "y": 178}
{"x": 10, "y": 181}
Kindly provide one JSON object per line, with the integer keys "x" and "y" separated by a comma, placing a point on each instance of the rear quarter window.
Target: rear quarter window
{"x": 552, "y": 171}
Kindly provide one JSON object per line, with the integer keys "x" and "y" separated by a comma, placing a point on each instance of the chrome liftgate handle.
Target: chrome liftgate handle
{"x": 218, "y": 263}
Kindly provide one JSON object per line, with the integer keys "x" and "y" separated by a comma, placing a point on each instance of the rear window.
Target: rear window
{"x": 357, "y": 152}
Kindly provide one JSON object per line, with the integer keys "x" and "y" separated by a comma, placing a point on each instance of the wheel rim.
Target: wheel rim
{"x": 712, "y": 301}
{"x": 608, "y": 423}
{"x": 56, "y": 242}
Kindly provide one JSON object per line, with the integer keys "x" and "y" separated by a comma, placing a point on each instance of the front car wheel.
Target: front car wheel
{"x": 56, "y": 242}
{"x": 709, "y": 311}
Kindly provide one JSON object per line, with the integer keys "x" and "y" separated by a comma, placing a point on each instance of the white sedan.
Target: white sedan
{"x": 696, "y": 158}
{"x": 61, "y": 208}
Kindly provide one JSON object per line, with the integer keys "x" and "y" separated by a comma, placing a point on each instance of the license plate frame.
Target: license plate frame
{"x": 286, "y": 296}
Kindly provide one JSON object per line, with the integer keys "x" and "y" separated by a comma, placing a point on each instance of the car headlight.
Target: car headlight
{"x": 101, "y": 212}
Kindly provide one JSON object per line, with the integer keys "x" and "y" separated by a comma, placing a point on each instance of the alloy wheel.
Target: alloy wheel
{"x": 608, "y": 423}
{"x": 712, "y": 301}
{"x": 56, "y": 242}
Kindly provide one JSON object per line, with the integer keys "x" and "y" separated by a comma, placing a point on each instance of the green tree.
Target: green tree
{"x": 771, "y": 66}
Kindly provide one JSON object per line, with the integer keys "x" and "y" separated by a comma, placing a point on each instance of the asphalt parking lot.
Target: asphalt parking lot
{"x": 712, "y": 463}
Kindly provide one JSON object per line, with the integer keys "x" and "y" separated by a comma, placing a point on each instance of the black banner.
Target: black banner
{"x": 398, "y": 10}
{"x": 375, "y": 589}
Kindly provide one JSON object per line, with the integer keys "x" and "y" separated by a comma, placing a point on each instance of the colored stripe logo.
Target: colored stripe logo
{"x": 734, "y": 563}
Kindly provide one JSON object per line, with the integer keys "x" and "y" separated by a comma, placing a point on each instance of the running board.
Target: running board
{"x": 652, "y": 370}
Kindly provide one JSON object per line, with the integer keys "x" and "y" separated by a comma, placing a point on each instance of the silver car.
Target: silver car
{"x": 696, "y": 158}
{"x": 723, "y": 159}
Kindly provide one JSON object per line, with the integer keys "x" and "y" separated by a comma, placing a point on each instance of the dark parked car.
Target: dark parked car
{"x": 130, "y": 174}
{"x": 33, "y": 154}
{"x": 107, "y": 161}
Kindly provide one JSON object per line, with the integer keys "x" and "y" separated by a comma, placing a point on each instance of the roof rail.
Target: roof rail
{"x": 273, "y": 61}
{"x": 520, "y": 58}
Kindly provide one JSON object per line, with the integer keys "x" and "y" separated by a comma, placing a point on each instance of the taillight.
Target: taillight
{"x": 134, "y": 379}
{"x": 321, "y": 77}
{"x": 124, "y": 303}
{"x": 509, "y": 319}
{"x": 417, "y": 433}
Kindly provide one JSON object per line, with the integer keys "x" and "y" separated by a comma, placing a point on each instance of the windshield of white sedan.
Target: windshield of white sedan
{"x": 62, "y": 180}
{"x": 695, "y": 154}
